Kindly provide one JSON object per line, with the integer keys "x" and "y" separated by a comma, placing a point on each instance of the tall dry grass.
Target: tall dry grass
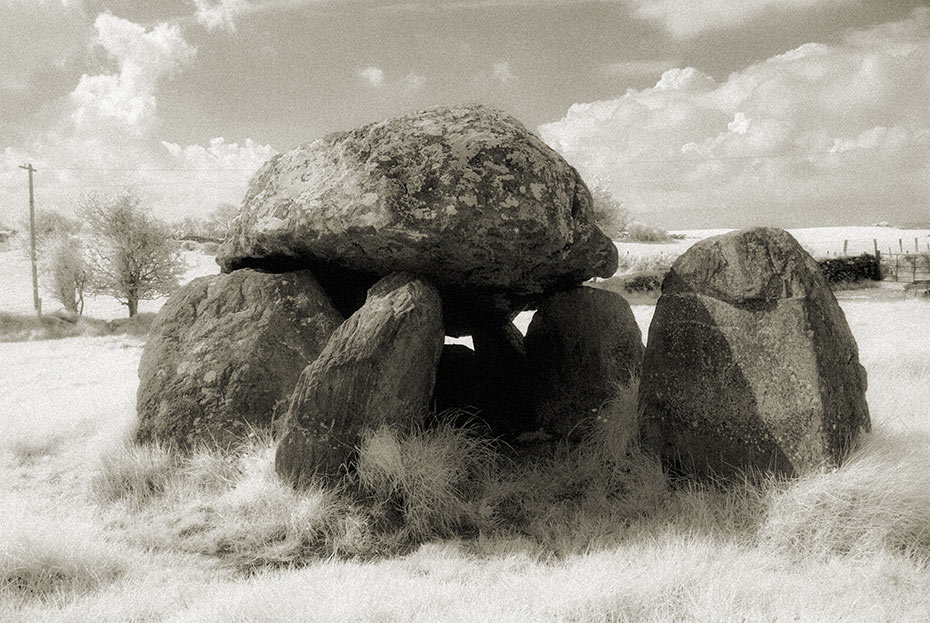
{"x": 441, "y": 524}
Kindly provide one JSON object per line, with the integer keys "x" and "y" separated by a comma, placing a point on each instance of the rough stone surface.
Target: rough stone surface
{"x": 582, "y": 346}
{"x": 225, "y": 353}
{"x": 464, "y": 196}
{"x": 750, "y": 362}
{"x": 378, "y": 368}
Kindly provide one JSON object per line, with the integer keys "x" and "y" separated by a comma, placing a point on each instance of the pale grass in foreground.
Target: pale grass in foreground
{"x": 104, "y": 531}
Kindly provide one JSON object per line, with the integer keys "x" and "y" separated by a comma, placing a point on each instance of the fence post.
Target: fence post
{"x": 916, "y": 246}
{"x": 875, "y": 244}
{"x": 845, "y": 245}
{"x": 900, "y": 245}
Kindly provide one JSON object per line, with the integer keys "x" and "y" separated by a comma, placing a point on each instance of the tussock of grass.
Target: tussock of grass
{"x": 434, "y": 478}
{"x": 878, "y": 501}
{"x": 29, "y": 450}
{"x": 260, "y": 521}
{"x": 133, "y": 474}
{"x": 54, "y": 565}
{"x": 233, "y": 507}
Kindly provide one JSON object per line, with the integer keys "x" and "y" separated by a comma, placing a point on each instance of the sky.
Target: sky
{"x": 691, "y": 113}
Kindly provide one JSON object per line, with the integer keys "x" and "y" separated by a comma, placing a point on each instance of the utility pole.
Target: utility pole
{"x": 36, "y": 301}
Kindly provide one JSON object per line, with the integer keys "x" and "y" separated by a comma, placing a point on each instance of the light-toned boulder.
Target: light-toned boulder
{"x": 464, "y": 196}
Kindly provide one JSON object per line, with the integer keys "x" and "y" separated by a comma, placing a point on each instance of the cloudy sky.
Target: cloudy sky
{"x": 693, "y": 113}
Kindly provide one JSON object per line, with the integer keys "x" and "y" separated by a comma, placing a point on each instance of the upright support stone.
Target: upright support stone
{"x": 583, "y": 346}
{"x": 225, "y": 353}
{"x": 378, "y": 368}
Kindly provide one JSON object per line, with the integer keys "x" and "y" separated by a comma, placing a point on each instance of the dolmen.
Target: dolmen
{"x": 354, "y": 256}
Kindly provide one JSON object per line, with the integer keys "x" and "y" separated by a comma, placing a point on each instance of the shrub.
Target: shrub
{"x": 65, "y": 265}
{"x": 851, "y": 269}
{"x": 640, "y": 232}
{"x": 644, "y": 282}
{"x": 609, "y": 214}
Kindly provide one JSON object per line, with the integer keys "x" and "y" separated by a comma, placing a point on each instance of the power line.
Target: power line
{"x": 595, "y": 163}
{"x": 153, "y": 170}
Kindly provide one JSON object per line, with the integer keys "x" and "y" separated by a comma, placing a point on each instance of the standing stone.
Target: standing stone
{"x": 583, "y": 347}
{"x": 225, "y": 353}
{"x": 464, "y": 196}
{"x": 378, "y": 368}
{"x": 750, "y": 363}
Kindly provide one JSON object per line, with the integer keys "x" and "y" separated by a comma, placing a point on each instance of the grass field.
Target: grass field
{"x": 95, "y": 530}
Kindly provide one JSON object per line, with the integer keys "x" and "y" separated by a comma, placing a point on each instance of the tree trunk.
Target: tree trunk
{"x": 133, "y": 304}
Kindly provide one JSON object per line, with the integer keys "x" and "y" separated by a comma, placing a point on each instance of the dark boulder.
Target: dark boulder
{"x": 583, "y": 347}
{"x": 225, "y": 353}
{"x": 750, "y": 364}
{"x": 378, "y": 368}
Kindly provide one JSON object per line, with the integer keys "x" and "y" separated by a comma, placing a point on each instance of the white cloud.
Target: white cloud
{"x": 143, "y": 58}
{"x": 688, "y": 18}
{"x": 105, "y": 135}
{"x": 820, "y": 134}
{"x": 374, "y": 76}
{"x": 221, "y": 14}
{"x": 502, "y": 73}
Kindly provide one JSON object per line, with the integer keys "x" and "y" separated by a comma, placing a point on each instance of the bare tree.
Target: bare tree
{"x": 221, "y": 219}
{"x": 609, "y": 214}
{"x": 133, "y": 254}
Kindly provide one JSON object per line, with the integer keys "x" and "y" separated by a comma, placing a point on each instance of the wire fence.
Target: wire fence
{"x": 901, "y": 259}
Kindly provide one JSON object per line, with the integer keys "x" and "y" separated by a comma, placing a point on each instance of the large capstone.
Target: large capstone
{"x": 225, "y": 353}
{"x": 378, "y": 368}
{"x": 464, "y": 196}
{"x": 750, "y": 364}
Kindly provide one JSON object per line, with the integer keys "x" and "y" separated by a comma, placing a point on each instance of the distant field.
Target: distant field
{"x": 16, "y": 284}
{"x": 821, "y": 242}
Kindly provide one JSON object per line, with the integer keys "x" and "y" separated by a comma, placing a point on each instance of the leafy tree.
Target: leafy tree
{"x": 609, "y": 214}
{"x": 61, "y": 257}
{"x": 133, "y": 254}
{"x": 65, "y": 267}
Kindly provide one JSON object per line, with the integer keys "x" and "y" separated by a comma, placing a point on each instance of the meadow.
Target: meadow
{"x": 95, "y": 529}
